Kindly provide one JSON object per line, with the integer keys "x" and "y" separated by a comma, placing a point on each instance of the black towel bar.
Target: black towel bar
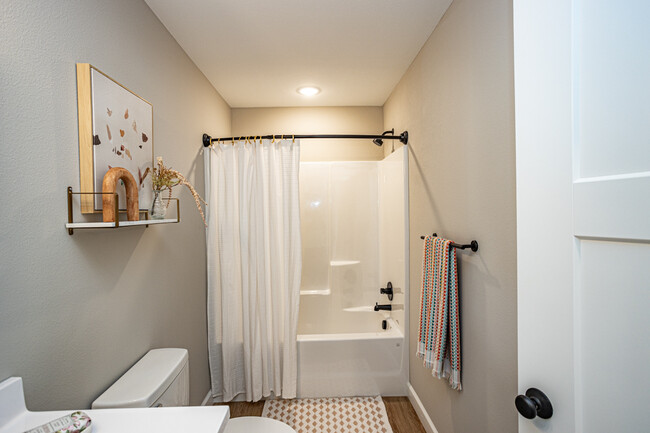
{"x": 472, "y": 245}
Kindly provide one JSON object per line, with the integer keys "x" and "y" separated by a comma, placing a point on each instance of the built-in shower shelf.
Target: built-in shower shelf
{"x": 344, "y": 262}
{"x": 321, "y": 292}
{"x": 361, "y": 309}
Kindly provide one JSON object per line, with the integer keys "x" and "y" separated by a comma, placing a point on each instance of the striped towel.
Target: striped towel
{"x": 439, "y": 336}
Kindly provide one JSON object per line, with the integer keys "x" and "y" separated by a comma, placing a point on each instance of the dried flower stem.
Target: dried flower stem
{"x": 167, "y": 178}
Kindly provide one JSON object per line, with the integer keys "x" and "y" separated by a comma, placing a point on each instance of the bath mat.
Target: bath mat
{"x": 331, "y": 415}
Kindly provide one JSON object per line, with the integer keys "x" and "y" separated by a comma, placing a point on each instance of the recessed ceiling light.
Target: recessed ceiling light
{"x": 308, "y": 90}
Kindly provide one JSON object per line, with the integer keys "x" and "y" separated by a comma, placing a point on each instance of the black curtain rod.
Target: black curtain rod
{"x": 472, "y": 245}
{"x": 403, "y": 137}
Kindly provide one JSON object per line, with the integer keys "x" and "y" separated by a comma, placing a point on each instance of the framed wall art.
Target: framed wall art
{"x": 115, "y": 130}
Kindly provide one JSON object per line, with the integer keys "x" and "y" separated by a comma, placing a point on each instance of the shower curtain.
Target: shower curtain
{"x": 254, "y": 267}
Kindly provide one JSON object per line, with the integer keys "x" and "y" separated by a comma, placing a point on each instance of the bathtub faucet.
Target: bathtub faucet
{"x": 388, "y": 290}
{"x": 386, "y": 307}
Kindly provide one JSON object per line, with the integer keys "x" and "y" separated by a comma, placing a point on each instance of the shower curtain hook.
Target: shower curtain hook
{"x": 293, "y": 138}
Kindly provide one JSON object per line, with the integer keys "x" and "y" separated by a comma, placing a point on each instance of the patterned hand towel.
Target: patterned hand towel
{"x": 439, "y": 336}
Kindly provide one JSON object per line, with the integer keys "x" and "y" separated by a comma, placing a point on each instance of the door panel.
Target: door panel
{"x": 611, "y": 61}
{"x": 611, "y": 364}
{"x": 611, "y": 212}
{"x": 582, "y": 111}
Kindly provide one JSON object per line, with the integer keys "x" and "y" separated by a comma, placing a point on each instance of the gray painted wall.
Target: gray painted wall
{"x": 317, "y": 120}
{"x": 457, "y": 102}
{"x": 77, "y": 311}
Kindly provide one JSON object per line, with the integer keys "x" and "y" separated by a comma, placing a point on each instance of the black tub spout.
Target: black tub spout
{"x": 385, "y": 307}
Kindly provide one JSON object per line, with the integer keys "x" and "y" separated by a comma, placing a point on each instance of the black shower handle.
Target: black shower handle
{"x": 388, "y": 290}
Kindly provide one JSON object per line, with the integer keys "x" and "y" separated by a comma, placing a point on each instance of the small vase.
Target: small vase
{"x": 158, "y": 207}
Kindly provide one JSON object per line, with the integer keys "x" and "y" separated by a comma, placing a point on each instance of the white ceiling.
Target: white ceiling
{"x": 256, "y": 53}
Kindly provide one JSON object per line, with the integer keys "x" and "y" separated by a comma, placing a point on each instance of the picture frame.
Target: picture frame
{"x": 115, "y": 130}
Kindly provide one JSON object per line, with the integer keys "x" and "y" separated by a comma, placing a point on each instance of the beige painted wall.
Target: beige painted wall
{"x": 77, "y": 311}
{"x": 456, "y": 101}
{"x": 317, "y": 120}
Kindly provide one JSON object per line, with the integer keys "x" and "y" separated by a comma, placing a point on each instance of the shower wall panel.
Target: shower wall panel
{"x": 315, "y": 227}
{"x": 393, "y": 230}
{"x": 339, "y": 225}
{"x": 354, "y": 251}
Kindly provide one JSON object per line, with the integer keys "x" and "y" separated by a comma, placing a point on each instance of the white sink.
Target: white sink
{"x": 15, "y": 418}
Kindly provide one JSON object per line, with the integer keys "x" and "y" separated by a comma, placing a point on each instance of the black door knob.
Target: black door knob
{"x": 534, "y": 403}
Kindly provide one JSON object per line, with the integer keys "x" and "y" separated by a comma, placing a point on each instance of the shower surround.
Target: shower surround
{"x": 354, "y": 236}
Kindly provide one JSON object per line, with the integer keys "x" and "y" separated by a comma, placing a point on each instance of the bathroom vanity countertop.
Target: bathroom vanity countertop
{"x": 200, "y": 419}
{"x": 15, "y": 418}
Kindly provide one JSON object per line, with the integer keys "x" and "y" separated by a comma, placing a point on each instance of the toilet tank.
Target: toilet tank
{"x": 160, "y": 378}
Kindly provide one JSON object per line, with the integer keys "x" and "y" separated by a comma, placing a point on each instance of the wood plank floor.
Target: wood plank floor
{"x": 401, "y": 415}
{"x": 238, "y": 409}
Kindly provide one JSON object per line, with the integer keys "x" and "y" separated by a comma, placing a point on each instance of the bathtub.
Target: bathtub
{"x": 364, "y": 363}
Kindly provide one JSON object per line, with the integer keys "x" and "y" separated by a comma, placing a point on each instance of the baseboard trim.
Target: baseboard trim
{"x": 425, "y": 419}
{"x": 207, "y": 398}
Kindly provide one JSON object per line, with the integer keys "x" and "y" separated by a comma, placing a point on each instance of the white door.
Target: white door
{"x": 582, "y": 110}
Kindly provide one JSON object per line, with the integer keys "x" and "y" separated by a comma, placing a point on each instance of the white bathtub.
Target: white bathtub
{"x": 353, "y": 364}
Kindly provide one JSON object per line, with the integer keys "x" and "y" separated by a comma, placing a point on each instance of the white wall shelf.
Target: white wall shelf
{"x": 103, "y": 225}
{"x": 71, "y": 225}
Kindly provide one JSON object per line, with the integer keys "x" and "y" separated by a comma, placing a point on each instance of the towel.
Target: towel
{"x": 439, "y": 336}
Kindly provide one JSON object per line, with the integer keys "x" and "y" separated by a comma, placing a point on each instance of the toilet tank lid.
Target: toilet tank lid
{"x": 145, "y": 382}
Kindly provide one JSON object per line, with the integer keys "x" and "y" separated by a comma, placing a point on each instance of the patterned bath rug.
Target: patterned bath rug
{"x": 331, "y": 415}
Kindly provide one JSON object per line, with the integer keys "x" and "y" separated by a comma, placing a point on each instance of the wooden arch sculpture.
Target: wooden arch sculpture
{"x": 108, "y": 200}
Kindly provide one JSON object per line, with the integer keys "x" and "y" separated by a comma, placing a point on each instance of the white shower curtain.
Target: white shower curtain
{"x": 254, "y": 267}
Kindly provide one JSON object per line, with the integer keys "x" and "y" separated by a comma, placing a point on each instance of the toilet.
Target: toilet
{"x": 161, "y": 378}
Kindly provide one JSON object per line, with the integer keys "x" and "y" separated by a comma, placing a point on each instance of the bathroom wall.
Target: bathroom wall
{"x": 456, "y": 101}
{"x": 77, "y": 311}
{"x": 317, "y": 120}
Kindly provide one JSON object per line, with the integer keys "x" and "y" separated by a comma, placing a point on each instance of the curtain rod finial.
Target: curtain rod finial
{"x": 207, "y": 140}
